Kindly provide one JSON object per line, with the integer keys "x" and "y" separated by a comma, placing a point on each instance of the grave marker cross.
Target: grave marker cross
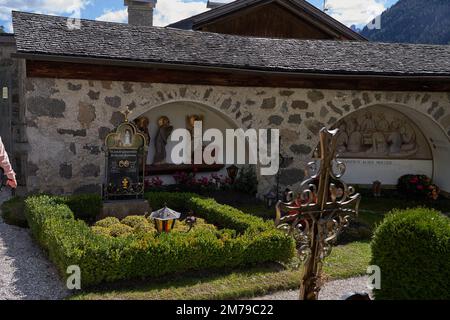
{"x": 318, "y": 213}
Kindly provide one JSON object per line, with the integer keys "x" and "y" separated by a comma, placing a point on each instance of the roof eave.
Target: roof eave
{"x": 212, "y": 68}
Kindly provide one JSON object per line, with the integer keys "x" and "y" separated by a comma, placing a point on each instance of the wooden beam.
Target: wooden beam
{"x": 231, "y": 78}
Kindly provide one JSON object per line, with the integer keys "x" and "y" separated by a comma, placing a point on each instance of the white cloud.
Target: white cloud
{"x": 166, "y": 12}
{"x": 169, "y": 11}
{"x": 357, "y": 12}
{"x": 54, "y": 7}
{"x": 114, "y": 16}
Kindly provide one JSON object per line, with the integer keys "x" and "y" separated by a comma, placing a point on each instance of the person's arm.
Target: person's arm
{"x": 6, "y": 166}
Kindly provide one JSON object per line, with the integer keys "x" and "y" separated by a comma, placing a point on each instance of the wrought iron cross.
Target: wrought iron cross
{"x": 126, "y": 113}
{"x": 318, "y": 213}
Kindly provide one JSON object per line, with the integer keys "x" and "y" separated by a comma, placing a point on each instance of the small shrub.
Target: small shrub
{"x": 134, "y": 221}
{"x": 412, "y": 248}
{"x": 13, "y": 212}
{"x": 120, "y": 230}
{"x": 107, "y": 222}
{"x": 101, "y": 231}
{"x": 144, "y": 228}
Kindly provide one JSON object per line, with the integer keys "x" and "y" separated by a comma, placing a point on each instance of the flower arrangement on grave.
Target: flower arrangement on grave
{"x": 154, "y": 182}
{"x": 418, "y": 186}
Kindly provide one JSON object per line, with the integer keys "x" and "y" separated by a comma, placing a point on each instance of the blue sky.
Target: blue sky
{"x": 348, "y": 12}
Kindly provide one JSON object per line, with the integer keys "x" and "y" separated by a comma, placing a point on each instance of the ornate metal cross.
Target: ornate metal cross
{"x": 126, "y": 113}
{"x": 317, "y": 214}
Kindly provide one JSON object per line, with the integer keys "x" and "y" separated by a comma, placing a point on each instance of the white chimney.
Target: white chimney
{"x": 140, "y": 12}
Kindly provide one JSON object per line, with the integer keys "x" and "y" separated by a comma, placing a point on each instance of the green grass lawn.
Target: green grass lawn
{"x": 348, "y": 261}
{"x": 345, "y": 261}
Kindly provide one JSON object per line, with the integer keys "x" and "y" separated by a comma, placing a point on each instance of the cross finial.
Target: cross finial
{"x": 126, "y": 113}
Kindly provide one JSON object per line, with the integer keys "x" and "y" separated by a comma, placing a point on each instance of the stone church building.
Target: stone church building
{"x": 248, "y": 64}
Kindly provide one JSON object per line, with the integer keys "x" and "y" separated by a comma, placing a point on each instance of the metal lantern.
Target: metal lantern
{"x": 165, "y": 219}
{"x": 376, "y": 189}
{"x": 232, "y": 172}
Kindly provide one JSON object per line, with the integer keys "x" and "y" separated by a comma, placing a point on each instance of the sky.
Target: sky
{"x": 349, "y": 12}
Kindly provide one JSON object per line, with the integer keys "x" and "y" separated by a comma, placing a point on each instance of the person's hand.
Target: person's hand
{"x": 12, "y": 183}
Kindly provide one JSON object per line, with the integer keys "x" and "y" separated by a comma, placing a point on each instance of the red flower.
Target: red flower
{"x": 420, "y": 187}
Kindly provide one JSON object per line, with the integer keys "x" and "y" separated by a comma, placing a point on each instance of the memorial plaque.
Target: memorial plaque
{"x": 125, "y": 153}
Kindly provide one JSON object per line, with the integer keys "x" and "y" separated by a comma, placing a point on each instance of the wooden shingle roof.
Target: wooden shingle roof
{"x": 49, "y": 36}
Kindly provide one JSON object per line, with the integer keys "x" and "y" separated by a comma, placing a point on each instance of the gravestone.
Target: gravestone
{"x": 123, "y": 192}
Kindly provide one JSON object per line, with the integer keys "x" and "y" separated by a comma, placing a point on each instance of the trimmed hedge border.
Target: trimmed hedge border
{"x": 106, "y": 259}
{"x": 412, "y": 249}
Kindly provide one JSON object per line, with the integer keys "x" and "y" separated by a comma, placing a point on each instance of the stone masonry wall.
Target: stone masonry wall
{"x": 67, "y": 121}
{"x": 11, "y": 76}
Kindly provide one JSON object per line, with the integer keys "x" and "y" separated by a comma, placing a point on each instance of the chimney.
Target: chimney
{"x": 140, "y": 12}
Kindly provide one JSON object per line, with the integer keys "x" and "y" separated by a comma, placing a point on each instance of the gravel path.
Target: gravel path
{"x": 333, "y": 290}
{"x": 25, "y": 272}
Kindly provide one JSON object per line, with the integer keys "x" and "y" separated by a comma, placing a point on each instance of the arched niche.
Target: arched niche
{"x": 178, "y": 112}
{"x": 414, "y": 144}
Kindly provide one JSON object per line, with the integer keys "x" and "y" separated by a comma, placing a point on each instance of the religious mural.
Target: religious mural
{"x": 162, "y": 135}
{"x": 381, "y": 132}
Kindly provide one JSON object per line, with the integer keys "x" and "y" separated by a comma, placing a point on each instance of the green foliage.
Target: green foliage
{"x": 412, "y": 248}
{"x": 107, "y": 222}
{"x": 13, "y": 212}
{"x": 148, "y": 254}
{"x": 101, "y": 231}
{"x": 120, "y": 230}
{"x": 222, "y": 216}
{"x": 134, "y": 221}
{"x": 247, "y": 181}
{"x": 85, "y": 206}
{"x": 111, "y": 226}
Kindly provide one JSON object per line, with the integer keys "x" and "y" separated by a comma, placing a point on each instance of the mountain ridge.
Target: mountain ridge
{"x": 414, "y": 21}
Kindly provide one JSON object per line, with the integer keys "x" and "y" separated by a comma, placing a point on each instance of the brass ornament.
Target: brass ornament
{"x": 126, "y": 113}
{"x": 316, "y": 215}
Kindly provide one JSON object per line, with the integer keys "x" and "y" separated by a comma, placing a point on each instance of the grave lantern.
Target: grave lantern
{"x": 232, "y": 172}
{"x": 165, "y": 219}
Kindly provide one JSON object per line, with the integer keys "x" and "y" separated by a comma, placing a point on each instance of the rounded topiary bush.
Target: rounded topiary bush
{"x": 412, "y": 249}
{"x": 101, "y": 231}
{"x": 107, "y": 222}
{"x": 134, "y": 221}
{"x": 120, "y": 230}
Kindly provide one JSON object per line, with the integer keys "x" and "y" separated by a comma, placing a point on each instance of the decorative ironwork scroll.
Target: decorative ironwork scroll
{"x": 318, "y": 213}
{"x": 126, "y": 149}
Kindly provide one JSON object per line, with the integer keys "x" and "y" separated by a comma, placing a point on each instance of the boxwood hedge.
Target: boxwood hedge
{"x": 69, "y": 241}
{"x": 412, "y": 248}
